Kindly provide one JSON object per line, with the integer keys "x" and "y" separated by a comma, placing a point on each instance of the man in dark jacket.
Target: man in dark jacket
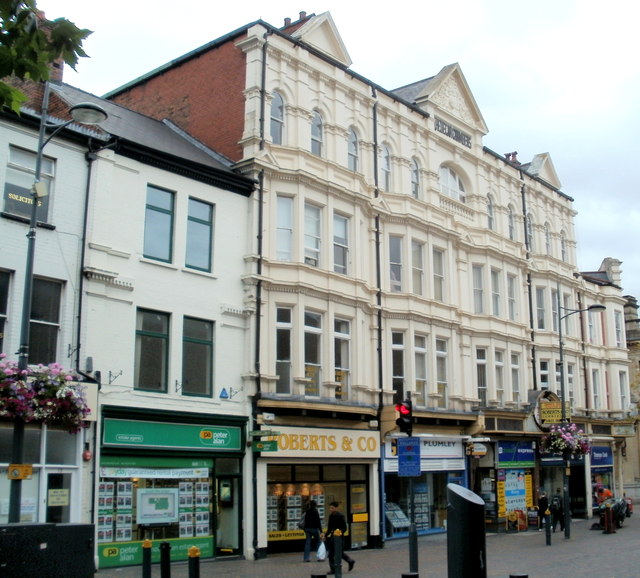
{"x": 312, "y": 530}
{"x": 557, "y": 510}
{"x": 336, "y": 521}
{"x": 543, "y": 506}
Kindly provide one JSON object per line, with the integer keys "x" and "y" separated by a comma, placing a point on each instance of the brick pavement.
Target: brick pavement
{"x": 588, "y": 553}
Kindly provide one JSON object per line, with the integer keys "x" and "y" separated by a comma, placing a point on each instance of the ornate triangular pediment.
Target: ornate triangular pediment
{"x": 446, "y": 94}
{"x": 542, "y": 167}
{"x": 321, "y": 33}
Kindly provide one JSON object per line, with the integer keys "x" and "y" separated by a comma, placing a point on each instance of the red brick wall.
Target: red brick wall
{"x": 204, "y": 96}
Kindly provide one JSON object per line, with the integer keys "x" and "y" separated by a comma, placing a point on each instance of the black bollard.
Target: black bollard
{"x": 165, "y": 560}
{"x": 146, "y": 559}
{"x": 466, "y": 537}
{"x": 194, "y": 562}
{"x": 547, "y": 526}
{"x": 337, "y": 551}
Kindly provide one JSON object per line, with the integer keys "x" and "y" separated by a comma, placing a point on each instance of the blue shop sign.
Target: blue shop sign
{"x": 601, "y": 456}
{"x": 516, "y": 455}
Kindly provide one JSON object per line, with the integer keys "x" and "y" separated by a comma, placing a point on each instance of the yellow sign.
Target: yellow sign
{"x": 361, "y": 517}
{"x": 58, "y": 497}
{"x": 551, "y": 412}
{"x": 19, "y": 471}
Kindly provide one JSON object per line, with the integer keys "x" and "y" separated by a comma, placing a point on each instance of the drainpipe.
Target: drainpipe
{"x": 523, "y": 193}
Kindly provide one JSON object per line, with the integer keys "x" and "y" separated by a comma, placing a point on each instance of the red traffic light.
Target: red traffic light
{"x": 404, "y": 422}
{"x": 404, "y": 408}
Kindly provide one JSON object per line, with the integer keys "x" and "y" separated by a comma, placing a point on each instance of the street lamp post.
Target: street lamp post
{"x": 83, "y": 113}
{"x": 564, "y": 418}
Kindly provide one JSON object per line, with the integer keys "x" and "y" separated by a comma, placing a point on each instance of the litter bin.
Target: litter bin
{"x": 466, "y": 537}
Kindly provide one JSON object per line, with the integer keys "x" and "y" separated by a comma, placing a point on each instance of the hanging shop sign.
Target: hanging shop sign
{"x": 151, "y": 434}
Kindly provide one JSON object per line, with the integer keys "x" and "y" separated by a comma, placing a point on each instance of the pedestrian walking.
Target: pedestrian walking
{"x": 337, "y": 521}
{"x": 312, "y": 530}
{"x": 557, "y": 510}
{"x": 543, "y": 506}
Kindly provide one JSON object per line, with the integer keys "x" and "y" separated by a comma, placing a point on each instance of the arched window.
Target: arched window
{"x": 490, "y": 213}
{"x": 563, "y": 246}
{"x": 385, "y": 168}
{"x": 415, "y": 178}
{"x": 277, "y": 118}
{"x": 316, "y": 134}
{"x": 451, "y": 185}
{"x": 352, "y": 151}
{"x": 529, "y": 228}
{"x": 547, "y": 239}
{"x": 511, "y": 223}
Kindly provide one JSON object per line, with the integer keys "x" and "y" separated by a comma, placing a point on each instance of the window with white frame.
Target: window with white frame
{"x": 415, "y": 179}
{"x": 511, "y": 296}
{"x": 44, "y": 326}
{"x": 417, "y": 267}
{"x": 569, "y": 382}
{"x": 342, "y": 365}
{"x": 541, "y": 313}
{"x": 283, "y": 350}
{"x": 197, "y": 357}
{"x": 566, "y": 304}
{"x": 554, "y": 310}
{"x": 478, "y": 288}
{"x": 395, "y": 263}
{"x": 277, "y": 119}
{"x": 316, "y": 134}
{"x": 595, "y": 386}
{"x": 438, "y": 274}
{"x": 496, "y": 292}
{"x": 558, "y": 376}
{"x": 199, "y": 235}
{"x": 451, "y": 184}
{"x": 623, "y": 381}
{"x": 499, "y": 373}
{"x": 547, "y": 239}
{"x": 591, "y": 327}
{"x": 284, "y": 230}
{"x": 385, "y": 168}
{"x": 340, "y": 243}
{"x": 563, "y": 246}
{"x": 398, "y": 362}
{"x": 312, "y": 215}
{"x": 312, "y": 353}
{"x": 21, "y": 169}
{"x": 152, "y": 350}
{"x": 491, "y": 222}
{"x": 515, "y": 377}
{"x": 511, "y": 222}
{"x": 481, "y": 375}
{"x": 442, "y": 372}
{"x": 5, "y": 278}
{"x": 617, "y": 319}
{"x": 353, "y": 151}
{"x": 544, "y": 374}
{"x": 529, "y": 232}
{"x": 158, "y": 224}
{"x": 420, "y": 359}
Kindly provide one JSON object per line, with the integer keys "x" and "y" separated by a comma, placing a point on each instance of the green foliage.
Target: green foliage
{"x": 29, "y": 44}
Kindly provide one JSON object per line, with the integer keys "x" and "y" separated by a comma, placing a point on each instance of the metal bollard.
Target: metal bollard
{"x": 410, "y": 575}
{"x": 337, "y": 553}
{"x": 146, "y": 558}
{"x": 609, "y": 525}
{"x": 466, "y": 536}
{"x": 165, "y": 560}
{"x": 518, "y": 575}
{"x": 547, "y": 526}
{"x": 194, "y": 562}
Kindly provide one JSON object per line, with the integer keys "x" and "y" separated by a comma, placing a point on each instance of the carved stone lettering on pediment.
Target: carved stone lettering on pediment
{"x": 451, "y": 98}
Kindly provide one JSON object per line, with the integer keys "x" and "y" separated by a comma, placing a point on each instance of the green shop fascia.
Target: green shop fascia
{"x": 158, "y": 482}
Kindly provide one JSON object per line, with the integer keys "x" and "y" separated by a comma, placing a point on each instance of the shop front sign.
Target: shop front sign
{"x": 311, "y": 442}
{"x": 151, "y": 434}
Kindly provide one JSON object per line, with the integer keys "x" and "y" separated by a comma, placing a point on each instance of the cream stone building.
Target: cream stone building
{"x": 397, "y": 256}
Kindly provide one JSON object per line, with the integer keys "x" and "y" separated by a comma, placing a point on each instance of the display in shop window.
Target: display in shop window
{"x": 285, "y": 506}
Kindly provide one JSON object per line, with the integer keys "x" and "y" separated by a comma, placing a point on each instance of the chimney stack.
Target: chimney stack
{"x": 303, "y": 15}
{"x": 287, "y": 21}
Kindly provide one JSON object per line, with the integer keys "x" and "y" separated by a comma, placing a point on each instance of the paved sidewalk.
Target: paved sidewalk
{"x": 588, "y": 553}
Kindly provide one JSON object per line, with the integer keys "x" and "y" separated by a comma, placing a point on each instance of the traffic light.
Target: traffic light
{"x": 405, "y": 421}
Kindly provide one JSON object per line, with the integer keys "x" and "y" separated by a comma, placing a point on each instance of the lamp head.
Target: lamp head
{"x": 596, "y": 307}
{"x": 88, "y": 113}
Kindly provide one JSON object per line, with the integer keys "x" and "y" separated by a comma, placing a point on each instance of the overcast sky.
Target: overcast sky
{"x": 556, "y": 76}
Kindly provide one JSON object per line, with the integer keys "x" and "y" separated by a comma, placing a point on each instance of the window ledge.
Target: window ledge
{"x": 26, "y": 221}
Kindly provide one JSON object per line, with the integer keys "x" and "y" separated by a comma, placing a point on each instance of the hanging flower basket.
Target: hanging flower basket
{"x": 43, "y": 394}
{"x": 565, "y": 439}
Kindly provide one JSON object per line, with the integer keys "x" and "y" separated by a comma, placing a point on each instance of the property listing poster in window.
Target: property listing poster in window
{"x": 202, "y": 508}
{"x": 106, "y": 492}
{"x": 186, "y": 519}
{"x": 124, "y": 511}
